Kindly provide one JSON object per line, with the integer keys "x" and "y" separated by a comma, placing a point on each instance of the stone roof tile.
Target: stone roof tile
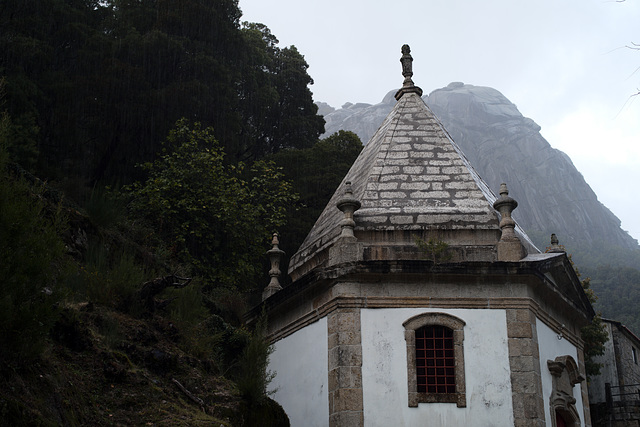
{"x": 411, "y": 176}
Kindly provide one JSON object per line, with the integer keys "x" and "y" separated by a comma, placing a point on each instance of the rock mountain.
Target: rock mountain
{"x": 505, "y": 146}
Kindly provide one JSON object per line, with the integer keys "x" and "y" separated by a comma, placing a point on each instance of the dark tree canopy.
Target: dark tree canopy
{"x": 92, "y": 87}
{"x": 215, "y": 217}
{"x": 315, "y": 173}
{"x": 276, "y": 95}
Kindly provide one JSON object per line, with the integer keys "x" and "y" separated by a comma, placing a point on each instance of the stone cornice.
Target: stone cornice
{"x": 463, "y": 272}
{"x": 351, "y": 302}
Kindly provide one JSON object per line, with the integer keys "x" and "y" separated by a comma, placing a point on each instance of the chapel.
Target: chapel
{"x": 416, "y": 299}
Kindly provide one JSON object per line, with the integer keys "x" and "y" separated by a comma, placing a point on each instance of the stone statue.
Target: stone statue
{"x": 407, "y": 72}
{"x": 406, "y": 62}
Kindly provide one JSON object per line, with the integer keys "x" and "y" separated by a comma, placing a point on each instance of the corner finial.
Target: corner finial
{"x": 346, "y": 248}
{"x": 407, "y": 72}
{"x": 555, "y": 246}
{"x": 275, "y": 253}
{"x": 505, "y": 205}
{"x": 509, "y": 246}
{"x": 348, "y": 205}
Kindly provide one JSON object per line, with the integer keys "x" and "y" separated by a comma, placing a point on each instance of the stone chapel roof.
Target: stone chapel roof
{"x": 411, "y": 176}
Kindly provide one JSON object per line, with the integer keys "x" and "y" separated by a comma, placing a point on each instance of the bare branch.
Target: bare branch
{"x": 190, "y": 395}
{"x": 634, "y": 46}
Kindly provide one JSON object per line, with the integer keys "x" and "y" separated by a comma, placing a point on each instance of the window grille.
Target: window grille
{"x": 435, "y": 361}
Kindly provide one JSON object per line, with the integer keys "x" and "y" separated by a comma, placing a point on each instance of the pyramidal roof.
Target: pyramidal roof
{"x": 411, "y": 179}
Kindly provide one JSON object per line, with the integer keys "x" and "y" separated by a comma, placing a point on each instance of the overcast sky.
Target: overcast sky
{"x": 562, "y": 62}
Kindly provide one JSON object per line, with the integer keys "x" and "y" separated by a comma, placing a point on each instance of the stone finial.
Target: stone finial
{"x": 348, "y": 205}
{"x": 555, "y": 247}
{"x": 346, "y": 248}
{"x": 509, "y": 247}
{"x": 275, "y": 254}
{"x": 407, "y": 72}
{"x": 407, "y": 65}
{"x": 505, "y": 205}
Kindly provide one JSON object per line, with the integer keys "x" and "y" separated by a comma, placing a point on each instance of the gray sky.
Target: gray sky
{"x": 562, "y": 62}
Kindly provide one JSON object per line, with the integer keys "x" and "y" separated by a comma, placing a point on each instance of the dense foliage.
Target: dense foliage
{"x": 216, "y": 218}
{"x": 618, "y": 290}
{"x": 614, "y": 276}
{"x": 94, "y": 86}
{"x": 31, "y": 251}
{"x": 88, "y": 90}
{"x": 315, "y": 174}
{"x": 76, "y": 335}
{"x": 594, "y": 334}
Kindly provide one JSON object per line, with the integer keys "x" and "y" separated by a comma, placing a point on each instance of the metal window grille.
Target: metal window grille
{"x": 435, "y": 362}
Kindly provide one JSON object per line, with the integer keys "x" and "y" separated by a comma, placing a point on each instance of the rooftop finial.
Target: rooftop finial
{"x": 275, "y": 253}
{"x": 509, "y": 247}
{"x": 555, "y": 246}
{"x": 407, "y": 71}
{"x": 505, "y": 205}
{"x": 407, "y": 65}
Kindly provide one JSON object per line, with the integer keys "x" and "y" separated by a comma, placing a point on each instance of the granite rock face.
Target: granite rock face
{"x": 504, "y": 146}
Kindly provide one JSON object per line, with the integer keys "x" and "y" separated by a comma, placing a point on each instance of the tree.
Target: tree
{"x": 216, "y": 217}
{"x": 275, "y": 83}
{"x": 297, "y": 124}
{"x": 94, "y": 86}
{"x": 316, "y": 173}
{"x": 594, "y": 335}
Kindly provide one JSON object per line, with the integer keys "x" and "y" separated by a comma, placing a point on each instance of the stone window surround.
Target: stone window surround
{"x": 457, "y": 326}
{"x": 565, "y": 373}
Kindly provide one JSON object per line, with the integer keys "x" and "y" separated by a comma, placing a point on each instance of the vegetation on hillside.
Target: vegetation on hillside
{"x": 216, "y": 216}
{"x": 614, "y": 277}
{"x": 93, "y": 87}
{"x": 137, "y": 203}
{"x": 594, "y": 335}
{"x": 618, "y": 291}
{"x": 95, "y": 332}
{"x": 33, "y": 264}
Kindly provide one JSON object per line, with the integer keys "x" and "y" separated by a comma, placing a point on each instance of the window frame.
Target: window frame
{"x": 565, "y": 375}
{"x": 457, "y": 327}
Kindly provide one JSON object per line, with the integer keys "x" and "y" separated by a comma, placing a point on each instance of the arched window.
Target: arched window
{"x": 435, "y": 359}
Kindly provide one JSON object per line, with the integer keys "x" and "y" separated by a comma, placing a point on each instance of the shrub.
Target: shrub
{"x": 254, "y": 377}
{"x": 109, "y": 279}
{"x": 32, "y": 265}
{"x": 217, "y": 217}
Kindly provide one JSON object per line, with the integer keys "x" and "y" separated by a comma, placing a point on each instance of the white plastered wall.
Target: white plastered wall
{"x": 384, "y": 371}
{"x": 300, "y": 362}
{"x": 550, "y": 347}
